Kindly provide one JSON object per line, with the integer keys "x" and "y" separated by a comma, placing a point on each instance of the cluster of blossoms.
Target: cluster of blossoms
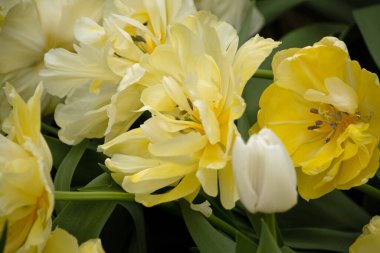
{"x": 103, "y": 64}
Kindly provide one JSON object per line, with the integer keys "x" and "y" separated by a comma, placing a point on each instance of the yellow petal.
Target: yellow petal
{"x": 60, "y": 241}
{"x": 188, "y": 185}
{"x": 184, "y": 144}
{"x": 250, "y": 56}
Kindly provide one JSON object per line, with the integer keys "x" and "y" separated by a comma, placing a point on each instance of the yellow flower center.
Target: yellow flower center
{"x": 332, "y": 120}
{"x": 142, "y": 39}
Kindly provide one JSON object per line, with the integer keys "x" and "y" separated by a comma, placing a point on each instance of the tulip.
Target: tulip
{"x": 369, "y": 240}
{"x": 264, "y": 173}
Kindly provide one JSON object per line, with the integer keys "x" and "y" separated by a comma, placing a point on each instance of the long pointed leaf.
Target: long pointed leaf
{"x": 205, "y": 236}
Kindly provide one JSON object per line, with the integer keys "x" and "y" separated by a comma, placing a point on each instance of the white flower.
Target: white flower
{"x": 264, "y": 173}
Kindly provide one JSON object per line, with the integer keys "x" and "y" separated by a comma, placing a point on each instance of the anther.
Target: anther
{"x": 138, "y": 38}
{"x": 334, "y": 125}
{"x": 312, "y": 127}
{"x": 318, "y": 122}
{"x": 314, "y": 110}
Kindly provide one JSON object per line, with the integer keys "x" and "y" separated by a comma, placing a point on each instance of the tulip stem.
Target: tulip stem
{"x": 369, "y": 190}
{"x": 93, "y": 196}
{"x": 264, "y": 73}
{"x": 270, "y": 220}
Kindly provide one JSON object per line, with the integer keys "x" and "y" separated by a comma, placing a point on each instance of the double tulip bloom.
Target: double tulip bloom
{"x": 325, "y": 108}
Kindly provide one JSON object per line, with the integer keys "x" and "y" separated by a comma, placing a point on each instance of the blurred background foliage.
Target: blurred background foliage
{"x": 329, "y": 224}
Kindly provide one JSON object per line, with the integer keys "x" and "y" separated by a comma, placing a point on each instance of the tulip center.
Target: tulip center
{"x": 142, "y": 37}
{"x": 331, "y": 120}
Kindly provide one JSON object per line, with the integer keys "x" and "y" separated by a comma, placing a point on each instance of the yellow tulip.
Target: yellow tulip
{"x": 325, "y": 108}
{"x": 369, "y": 240}
{"x": 26, "y": 190}
{"x": 193, "y": 91}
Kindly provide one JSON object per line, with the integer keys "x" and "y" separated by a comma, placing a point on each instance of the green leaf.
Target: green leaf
{"x": 309, "y": 34}
{"x": 136, "y": 211}
{"x": 3, "y": 238}
{"x": 272, "y": 9}
{"x": 319, "y": 239}
{"x": 243, "y": 126}
{"x": 286, "y": 249}
{"x": 267, "y": 243}
{"x": 58, "y": 150}
{"x": 244, "y": 245}
{"x": 103, "y": 182}
{"x": 205, "y": 236}
{"x": 85, "y": 219}
{"x": 65, "y": 172}
{"x": 337, "y": 10}
{"x": 368, "y": 20}
{"x": 334, "y": 210}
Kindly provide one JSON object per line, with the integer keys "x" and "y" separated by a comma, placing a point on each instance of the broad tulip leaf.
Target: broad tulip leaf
{"x": 267, "y": 243}
{"x": 334, "y": 210}
{"x": 85, "y": 219}
{"x": 286, "y": 249}
{"x": 244, "y": 244}
{"x": 136, "y": 211}
{"x": 205, "y": 236}
{"x": 58, "y": 150}
{"x": 272, "y": 9}
{"x": 65, "y": 172}
{"x": 318, "y": 239}
{"x": 368, "y": 20}
{"x": 337, "y": 10}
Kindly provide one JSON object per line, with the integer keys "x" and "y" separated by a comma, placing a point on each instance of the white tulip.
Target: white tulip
{"x": 264, "y": 173}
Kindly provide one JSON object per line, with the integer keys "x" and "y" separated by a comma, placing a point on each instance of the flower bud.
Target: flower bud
{"x": 264, "y": 173}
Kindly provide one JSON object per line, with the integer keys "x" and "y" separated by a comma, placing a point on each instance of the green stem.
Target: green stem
{"x": 369, "y": 190}
{"x": 93, "y": 196}
{"x": 255, "y": 220}
{"x": 270, "y": 220}
{"x": 264, "y": 73}
{"x": 222, "y": 225}
{"x": 49, "y": 129}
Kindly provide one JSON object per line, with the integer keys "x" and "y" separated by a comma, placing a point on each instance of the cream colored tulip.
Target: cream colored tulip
{"x": 264, "y": 173}
{"x": 60, "y": 241}
{"x": 193, "y": 91}
{"x": 96, "y": 80}
{"x": 26, "y": 189}
{"x": 30, "y": 28}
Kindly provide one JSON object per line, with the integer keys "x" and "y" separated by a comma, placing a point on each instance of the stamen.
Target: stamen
{"x": 334, "y": 125}
{"x": 314, "y": 110}
{"x": 138, "y": 38}
{"x": 318, "y": 122}
{"x": 312, "y": 127}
